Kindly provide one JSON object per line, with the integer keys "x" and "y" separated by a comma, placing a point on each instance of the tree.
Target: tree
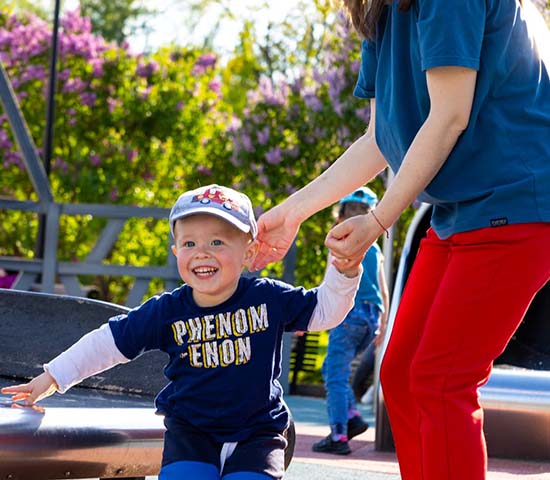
{"x": 115, "y": 20}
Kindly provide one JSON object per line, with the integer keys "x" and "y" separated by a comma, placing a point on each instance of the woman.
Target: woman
{"x": 460, "y": 110}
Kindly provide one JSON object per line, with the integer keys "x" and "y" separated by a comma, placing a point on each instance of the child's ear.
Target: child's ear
{"x": 250, "y": 253}
{"x": 174, "y": 250}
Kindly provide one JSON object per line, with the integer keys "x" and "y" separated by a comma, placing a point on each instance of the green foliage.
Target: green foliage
{"x": 138, "y": 130}
{"x": 114, "y": 19}
{"x": 128, "y": 130}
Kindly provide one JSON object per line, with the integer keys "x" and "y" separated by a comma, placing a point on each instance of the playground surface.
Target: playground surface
{"x": 364, "y": 462}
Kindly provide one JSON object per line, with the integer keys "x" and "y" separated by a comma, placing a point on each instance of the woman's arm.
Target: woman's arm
{"x": 451, "y": 91}
{"x": 278, "y": 227}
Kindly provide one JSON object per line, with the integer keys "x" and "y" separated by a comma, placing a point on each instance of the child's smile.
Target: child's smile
{"x": 211, "y": 255}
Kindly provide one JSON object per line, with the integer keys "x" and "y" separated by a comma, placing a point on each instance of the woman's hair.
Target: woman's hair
{"x": 364, "y": 14}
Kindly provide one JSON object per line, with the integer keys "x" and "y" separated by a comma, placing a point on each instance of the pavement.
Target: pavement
{"x": 364, "y": 462}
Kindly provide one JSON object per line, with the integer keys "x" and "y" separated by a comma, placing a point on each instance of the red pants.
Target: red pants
{"x": 464, "y": 299}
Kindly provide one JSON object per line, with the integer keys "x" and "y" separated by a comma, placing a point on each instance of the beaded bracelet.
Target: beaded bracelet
{"x": 380, "y": 223}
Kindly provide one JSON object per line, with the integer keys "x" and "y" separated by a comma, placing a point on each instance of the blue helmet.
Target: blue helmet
{"x": 361, "y": 195}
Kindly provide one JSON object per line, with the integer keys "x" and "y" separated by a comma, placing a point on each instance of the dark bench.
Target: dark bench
{"x": 104, "y": 428}
{"x": 303, "y": 357}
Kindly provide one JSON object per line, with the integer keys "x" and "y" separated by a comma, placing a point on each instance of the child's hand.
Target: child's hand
{"x": 350, "y": 271}
{"x": 38, "y": 388}
{"x": 346, "y": 266}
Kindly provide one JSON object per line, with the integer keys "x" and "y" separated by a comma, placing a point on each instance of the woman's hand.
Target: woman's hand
{"x": 38, "y": 388}
{"x": 348, "y": 241}
{"x": 277, "y": 229}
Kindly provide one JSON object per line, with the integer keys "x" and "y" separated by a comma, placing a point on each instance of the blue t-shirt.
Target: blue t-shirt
{"x": 498, "y": 173}
{"x": 369, "y": 287}
{"x": 224, "y": 361}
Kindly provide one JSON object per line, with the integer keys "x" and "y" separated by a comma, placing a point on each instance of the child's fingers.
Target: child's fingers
{"x": 14, "y": 389}
{"x": 20, "y": 396}
{"x": 19, "y": 392}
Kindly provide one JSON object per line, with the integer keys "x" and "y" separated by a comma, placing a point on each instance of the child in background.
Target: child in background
{"x": 352, "y": 336}
{"x": 224, "y": 413}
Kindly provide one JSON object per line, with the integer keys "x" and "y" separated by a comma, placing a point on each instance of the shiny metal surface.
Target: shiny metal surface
{"x": 55, "y": 443}
{"x": 516, "y": 404}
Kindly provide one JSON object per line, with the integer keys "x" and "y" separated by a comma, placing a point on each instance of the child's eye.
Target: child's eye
{"x": 217, "y": 243}
{"x": 189, "y": 243}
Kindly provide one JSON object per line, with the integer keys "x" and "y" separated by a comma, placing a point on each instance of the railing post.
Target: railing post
{"x": 49, "y": 266}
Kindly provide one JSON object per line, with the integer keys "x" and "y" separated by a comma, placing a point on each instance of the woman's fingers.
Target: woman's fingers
{"x": 340, "y": 242}
{"x": 350, "y": 239}
{"x": 266, "y": 254}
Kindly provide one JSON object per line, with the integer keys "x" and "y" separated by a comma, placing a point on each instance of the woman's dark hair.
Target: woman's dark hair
{"x": 365, "y": 14}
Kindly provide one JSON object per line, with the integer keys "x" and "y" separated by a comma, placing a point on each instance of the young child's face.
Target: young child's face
{"x": 211, "y": 254}
{"x": 352, "y": 209}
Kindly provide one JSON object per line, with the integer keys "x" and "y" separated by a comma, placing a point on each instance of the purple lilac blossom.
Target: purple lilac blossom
{"x": 60, "y": 165}
{"x": 215, "y": 86}
{"x": 204, "y": 170}
{"x": 88, "y": 98}
{"x": 312, "y": 101}
{"x": 97, "y": 67}
{"x": 5, "y": 142}
{"x": 246, "y": 142}
{"x": 338, "y": 108}
{"x": 264, "y": 180}
{"x": 204, "y": 62}
{"x": 74, "y": 85}
{"x": 132, "y": 155}
{"x": 363, "y": 113}
{"x": 263, "y": 135}
{"x": 145, "y": 70}
{"x": 274, "y": 156}
{"x": 13, "y": 158}
{"x": 235, "y": 160}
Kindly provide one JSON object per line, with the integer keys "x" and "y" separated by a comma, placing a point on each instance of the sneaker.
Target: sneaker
{"x": 328, "y": 445}
{"x": 356, "y": 426}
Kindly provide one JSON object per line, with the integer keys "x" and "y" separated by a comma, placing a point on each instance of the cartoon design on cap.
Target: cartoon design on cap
{"x": 217, "y": 196}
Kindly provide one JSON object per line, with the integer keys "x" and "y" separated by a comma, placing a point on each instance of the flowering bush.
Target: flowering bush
{"x": 291, "y": 131}
{"x": 138, "y": 130}
{"x": 128, "y": 129}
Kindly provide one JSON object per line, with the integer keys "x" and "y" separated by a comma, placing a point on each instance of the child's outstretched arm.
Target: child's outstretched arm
{"x": 93, "y": 353}
{"x": 335, "y": 298}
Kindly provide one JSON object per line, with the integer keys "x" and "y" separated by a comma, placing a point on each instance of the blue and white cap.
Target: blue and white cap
{"x": 362, "y": 195}
{"x": 223, "y": 202}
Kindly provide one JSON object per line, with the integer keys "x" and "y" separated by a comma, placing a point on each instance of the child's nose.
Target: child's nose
{"x": 203, "y": 251}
